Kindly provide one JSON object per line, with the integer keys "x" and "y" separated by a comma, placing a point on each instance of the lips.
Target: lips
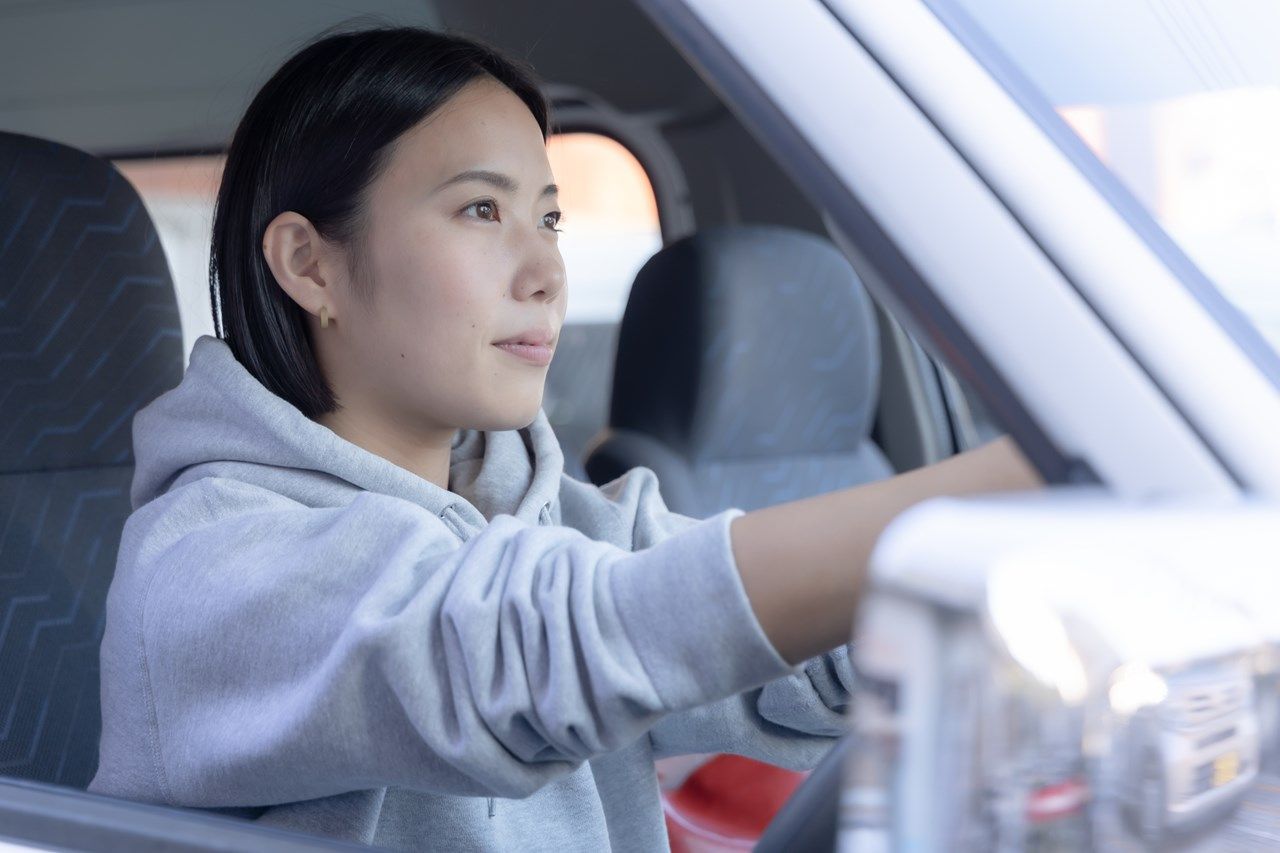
{"x": 538, "y": 336}
{"x": 533, "y": 345}
{"x": 539, "y": 354}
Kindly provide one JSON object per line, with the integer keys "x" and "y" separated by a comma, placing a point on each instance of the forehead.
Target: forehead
{"x": 485, "y": 125}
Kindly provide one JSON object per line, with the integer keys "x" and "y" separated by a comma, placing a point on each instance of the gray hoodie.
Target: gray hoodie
{"x": 303, "y": 633}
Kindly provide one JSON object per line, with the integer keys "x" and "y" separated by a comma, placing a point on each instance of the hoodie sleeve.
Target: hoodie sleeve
{"x": 792, "y": 721}
{"x": 293, "y": 652}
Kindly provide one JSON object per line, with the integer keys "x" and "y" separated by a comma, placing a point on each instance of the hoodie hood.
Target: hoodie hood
{"x": 220, "y": 418}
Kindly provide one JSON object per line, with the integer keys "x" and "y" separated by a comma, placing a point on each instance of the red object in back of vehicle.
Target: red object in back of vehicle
{"x": 726, "y": 804}
{"x": 1057, "y": 801}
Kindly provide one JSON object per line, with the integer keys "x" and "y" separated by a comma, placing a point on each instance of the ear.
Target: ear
{"x": 299, "y": 259}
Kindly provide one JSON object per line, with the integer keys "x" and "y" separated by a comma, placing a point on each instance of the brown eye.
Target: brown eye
{"x": 485, "y": 209}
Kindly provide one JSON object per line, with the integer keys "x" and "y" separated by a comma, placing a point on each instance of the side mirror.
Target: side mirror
{"x": 1066, "y": 671}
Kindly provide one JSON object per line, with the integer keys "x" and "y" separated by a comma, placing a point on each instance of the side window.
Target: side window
{"x": 178, "y": 193}
{"x": 610, "y": 222}
{"x": 610, "y": 230}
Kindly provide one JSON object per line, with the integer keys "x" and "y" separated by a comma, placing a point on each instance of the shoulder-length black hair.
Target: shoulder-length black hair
{"x": 312, "y": 141}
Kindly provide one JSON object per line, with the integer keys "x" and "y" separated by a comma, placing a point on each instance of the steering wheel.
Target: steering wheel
{"x": 807, "y": 821}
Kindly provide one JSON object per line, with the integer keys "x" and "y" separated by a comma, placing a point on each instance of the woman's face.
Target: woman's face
{"x": 454, "y": 265}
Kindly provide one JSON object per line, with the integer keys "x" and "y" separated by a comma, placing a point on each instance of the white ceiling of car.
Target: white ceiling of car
{"x": 141, "y": 76}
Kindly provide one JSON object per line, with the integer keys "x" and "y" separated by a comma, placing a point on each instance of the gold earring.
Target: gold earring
{"x": 324, "y": 316}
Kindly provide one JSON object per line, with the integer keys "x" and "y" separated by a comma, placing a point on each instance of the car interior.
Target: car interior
{"x": 750, "y": 366}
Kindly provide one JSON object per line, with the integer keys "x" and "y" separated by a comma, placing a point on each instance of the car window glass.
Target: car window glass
{"x": 1180, "y": 101}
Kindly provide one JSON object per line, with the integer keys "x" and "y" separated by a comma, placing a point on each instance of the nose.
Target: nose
{"x": 542, "y": 270}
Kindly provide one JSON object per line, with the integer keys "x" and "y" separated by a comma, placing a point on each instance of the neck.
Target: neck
{"x": 426, "y": 454}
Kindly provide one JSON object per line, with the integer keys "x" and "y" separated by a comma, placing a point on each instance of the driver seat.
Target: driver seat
{"x": 747, "y": 375}
{"x": 90, "y": 334}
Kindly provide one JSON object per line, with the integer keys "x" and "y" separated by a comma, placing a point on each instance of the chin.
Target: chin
{"x": 512, "y": 418}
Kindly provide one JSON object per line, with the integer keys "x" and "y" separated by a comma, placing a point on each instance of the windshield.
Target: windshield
{"x": 1178, "y": 99}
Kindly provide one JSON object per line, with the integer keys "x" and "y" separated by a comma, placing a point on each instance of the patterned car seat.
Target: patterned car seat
{"x": 89, "y": 333}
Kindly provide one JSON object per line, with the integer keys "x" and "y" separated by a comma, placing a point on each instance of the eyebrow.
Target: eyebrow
{"x": 503, "y": 182}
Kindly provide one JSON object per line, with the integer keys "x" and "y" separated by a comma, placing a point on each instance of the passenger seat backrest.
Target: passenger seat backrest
{"x": 747, "y": 373}
{"x": 89, "y": 333}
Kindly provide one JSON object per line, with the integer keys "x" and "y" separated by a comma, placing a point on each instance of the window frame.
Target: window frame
{"x": 888, "y": 197}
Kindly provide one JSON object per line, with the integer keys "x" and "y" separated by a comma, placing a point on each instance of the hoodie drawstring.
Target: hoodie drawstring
{"x": 491, "y": 807}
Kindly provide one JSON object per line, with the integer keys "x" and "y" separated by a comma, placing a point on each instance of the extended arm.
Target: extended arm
{"x": 803, "y": 563}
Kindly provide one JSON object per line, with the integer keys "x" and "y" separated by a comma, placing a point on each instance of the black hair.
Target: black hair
{"x": 312, "y": 141}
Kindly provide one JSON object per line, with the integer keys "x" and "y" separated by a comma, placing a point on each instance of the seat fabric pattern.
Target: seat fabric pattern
{"x": 89, "y": 333}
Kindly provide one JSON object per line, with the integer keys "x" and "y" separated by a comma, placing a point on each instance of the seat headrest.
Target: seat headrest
{"x": 89, "y": 326}
{"x": 748, "y": 341}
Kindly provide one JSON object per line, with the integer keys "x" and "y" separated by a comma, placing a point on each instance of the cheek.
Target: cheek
{"x": 437, "y": 304}
{"x": 438, "y": 324}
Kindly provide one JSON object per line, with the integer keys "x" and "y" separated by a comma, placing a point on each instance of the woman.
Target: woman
{"x": 357, "y": 595}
